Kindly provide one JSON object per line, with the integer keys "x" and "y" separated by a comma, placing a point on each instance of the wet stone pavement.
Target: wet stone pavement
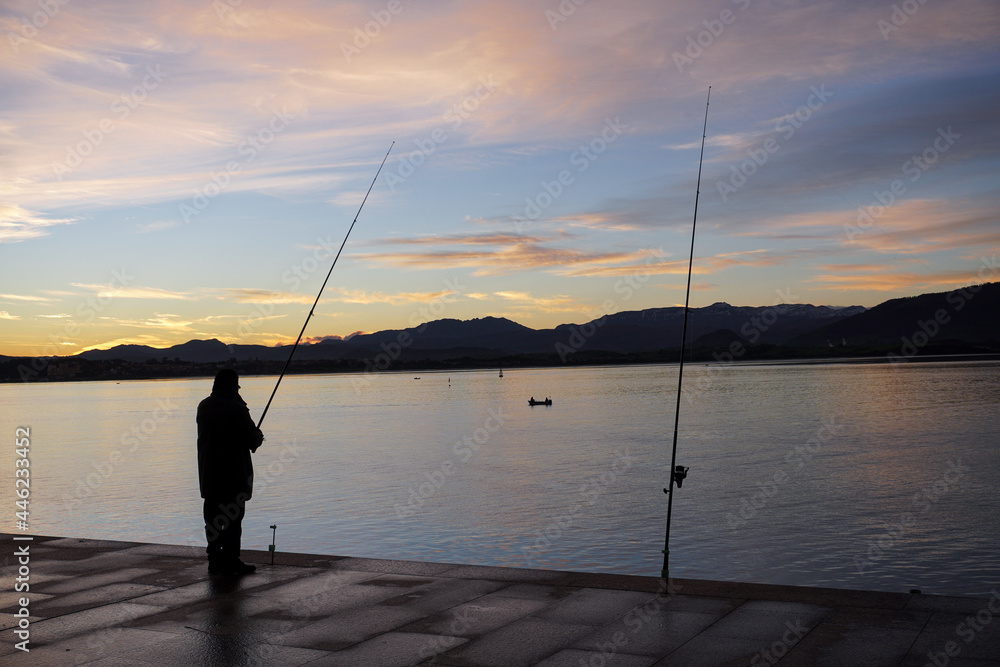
{"x": 98, "y": 602}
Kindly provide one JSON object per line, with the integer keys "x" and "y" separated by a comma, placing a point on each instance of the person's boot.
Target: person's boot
{"x": 219, "y": 565}
{"x": 241, "y": 568}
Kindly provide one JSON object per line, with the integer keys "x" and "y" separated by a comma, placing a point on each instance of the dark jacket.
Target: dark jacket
{"x": 226, "y": 436}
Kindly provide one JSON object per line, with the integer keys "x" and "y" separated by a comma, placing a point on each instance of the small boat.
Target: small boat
{"x": 533, "y": 401}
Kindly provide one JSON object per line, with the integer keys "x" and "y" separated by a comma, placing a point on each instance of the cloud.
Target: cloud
{"x": 21, "y": 297}
{"x": 160, "y": 321}
{"x": 126, "y": 292}
{"x": 309, "y": 340}
{"x": 4, "y": 315}
{"x": 399, "y": 298}
{"x": 158, "y": 225}
{"x": 893, "y": 281}
{"x": 552, "y": 304}
{"x": 252, "y": 295}
{"x": 516, "y": 254}
{"x": 20, "y": 224}
{"x": 497, "y": 238}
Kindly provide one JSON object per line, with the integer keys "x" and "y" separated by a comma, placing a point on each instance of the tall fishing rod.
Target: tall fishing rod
{"x": 678, "y": 473}
{"x": 309, "y": 316}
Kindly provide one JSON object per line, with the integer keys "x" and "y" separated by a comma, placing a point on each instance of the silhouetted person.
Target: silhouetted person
{"x": 226, "y": 437}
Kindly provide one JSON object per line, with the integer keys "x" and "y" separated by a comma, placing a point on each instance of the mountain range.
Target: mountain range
{"x": 968, "y": 317}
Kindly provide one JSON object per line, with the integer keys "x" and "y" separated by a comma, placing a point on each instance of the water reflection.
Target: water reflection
{"x": 341, "y": 463}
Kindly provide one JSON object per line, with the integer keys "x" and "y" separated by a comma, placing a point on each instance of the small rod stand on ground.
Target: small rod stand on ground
{"x": 274, "y": 532}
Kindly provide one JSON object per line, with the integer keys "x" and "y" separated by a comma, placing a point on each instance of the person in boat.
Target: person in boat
{"x": 227, "y": 436}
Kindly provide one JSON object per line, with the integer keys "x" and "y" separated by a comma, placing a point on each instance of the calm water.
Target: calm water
{"x": 855, "y": 476}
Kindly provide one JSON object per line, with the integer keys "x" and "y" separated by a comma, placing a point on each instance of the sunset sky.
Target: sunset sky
{"x": 186, "y": 170}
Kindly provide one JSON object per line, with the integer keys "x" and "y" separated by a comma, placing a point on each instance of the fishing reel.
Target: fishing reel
{"x": 678, "y": 476}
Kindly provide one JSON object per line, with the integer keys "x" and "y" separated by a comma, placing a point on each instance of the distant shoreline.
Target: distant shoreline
{"x": 208, "y": 369}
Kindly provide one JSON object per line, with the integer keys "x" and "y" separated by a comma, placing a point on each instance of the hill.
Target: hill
{"x": 966, "y": 316}
{"x": 626, "y": 332}
{"x": 966, "y": 320}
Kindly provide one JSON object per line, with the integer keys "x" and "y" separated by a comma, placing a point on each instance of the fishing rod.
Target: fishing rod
{"x": 678, "y": 473}
{"x": 309, "y": 316}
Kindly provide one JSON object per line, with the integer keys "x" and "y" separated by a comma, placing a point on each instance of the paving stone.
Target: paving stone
{"x": 536, "y": 591}
{"x": 8, "y": 620}
{"x": 524, "y": 642}
{"x": 391, "y": 566}
{"x": 86, "y": 544}
{"x": 442, "y": 594}
{"x": 478, "y": 617}
{"x": 316, "y": 604}
{"x": 705, "y": 651}
{"x": 10, "y": 600}
{"x": 837, "y": 644}
{"x": 244, "y": 648}
{"x": 343, "y": 629}
{"x": 89, "y": 563}
{"x": 510, "y": 574}
{"x": 51, "y": 630}
{"x": 119, "y": 603}
{"x": 592, "y": 606}
{"x": 92, "y": 597}
{"x": 698, "y": 604}
{"x": 655, "y": 633}
{"x": 119, "y": 643}
{"x": 576, "y": 658}
{"x": 176, "y": 550}
{"x": 768, "y": 621}
{"x": 91, "y": 581}
{"x": 304, "y": 584}
{"x": 954, "y": 605}
{"x": 971, "y": 636}
{"x": 394, "y": 649}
